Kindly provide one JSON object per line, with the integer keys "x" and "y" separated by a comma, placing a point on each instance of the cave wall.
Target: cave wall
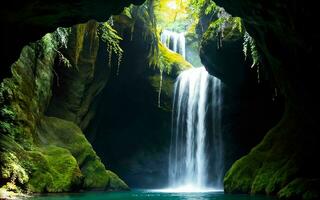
{"x": 41, "y": 150}
{"x": 281, "y": 164}
{"x": 75, "y": 94}
{"x": 30, "y": 20}
{"x": 250, "y": 106}
{"x": 130, "y": 132}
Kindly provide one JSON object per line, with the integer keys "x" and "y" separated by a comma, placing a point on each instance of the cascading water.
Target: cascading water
{"x": 217, "y": 146}
{"x": 174, "y": 41}
{"x": 190, "y": 149}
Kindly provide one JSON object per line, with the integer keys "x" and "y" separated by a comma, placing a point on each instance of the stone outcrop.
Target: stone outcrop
{"x": 51, "y": 154}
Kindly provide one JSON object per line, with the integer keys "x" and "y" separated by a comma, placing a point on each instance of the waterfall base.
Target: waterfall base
{"x": 196, "y": 144}
{"x": 188, "y": 189}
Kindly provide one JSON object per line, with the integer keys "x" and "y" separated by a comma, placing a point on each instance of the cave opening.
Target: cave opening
{"x": 173, "y": 99}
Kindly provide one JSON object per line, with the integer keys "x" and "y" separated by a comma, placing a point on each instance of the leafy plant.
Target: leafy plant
{"x": 112, "y": 40}
{"x": 249, "y": 45}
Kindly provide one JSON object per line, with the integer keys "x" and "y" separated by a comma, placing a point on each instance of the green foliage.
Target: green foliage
{"x": 249, "y": 45}
{"x": 7, "y": 113}
{"x": 12, "y": 169}
{"x": 169, "y": 63}
{"x": 39, "y": 154}
{"x": 172, "y": 15}
{"x": 63, "y": 60}
{"x": 145, "y": 15}
{"x": 112, "y": 40}
{"x": 8, "y": 123}
{"x": 61, "y": 36}
{"x": 53, "y": 169}
{"x": 56, "y": 41}
{"x": 210, "y": 8}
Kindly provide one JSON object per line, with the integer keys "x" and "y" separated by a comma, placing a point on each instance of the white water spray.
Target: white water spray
{"x": 190, "y": 149}
{"x": 174, "y": 41}
{"x": 191, "y": 152}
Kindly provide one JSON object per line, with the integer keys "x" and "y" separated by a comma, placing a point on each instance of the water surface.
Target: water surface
{"x": 149, "y": 195}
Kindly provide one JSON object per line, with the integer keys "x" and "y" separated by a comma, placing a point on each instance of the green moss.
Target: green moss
{"x": 301, "y": 189}
{"x": 171, "y": 62}
{"x": 69, "y": 136}
{"x": 232, "y": 30}
{"x": 239, "y": 178}
{"x": 38, "y": 153}
{"x": 273, "y": 166}
{"x": 167, "y": 85}
{"x": 12, "y": 169}
{"x": 80, "y": 32}
{"x": 115, "y": 182}
{"x": 95, "y": 174}
{"x": 166, "y": 90}
{"x": 53, "y": 169}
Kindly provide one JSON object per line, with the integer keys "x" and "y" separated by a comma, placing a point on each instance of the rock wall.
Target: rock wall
{"x": 281, "y": 164}
{"x": 51, "y": 154}
{"x": 130, "y": 132}
{"x": 30, "y": 20}
{"x": 77, "y": 88}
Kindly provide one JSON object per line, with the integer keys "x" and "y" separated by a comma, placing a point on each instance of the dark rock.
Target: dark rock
{"x": 30, "y": 20}
{"x": 75, "y": 88}
{"x": 39, "y": 153}
{"x": 287, "y": 44}
{"x": 225, "y": 59}
{"x": 130, "y": 132}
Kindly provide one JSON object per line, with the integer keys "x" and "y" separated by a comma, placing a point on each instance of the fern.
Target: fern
{"x": 112, "y": 40}
{"x": 249, "y": 44}
{"x": 211, "y": 8}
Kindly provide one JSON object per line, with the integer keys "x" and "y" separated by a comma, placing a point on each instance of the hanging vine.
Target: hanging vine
{"x": 146, "y": 14}
{"x": 249, "y": 46}
{"x": 112, "y": 40}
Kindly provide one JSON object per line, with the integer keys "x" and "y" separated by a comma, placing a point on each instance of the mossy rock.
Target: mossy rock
{"x": 67, "y": 135}
{"x": 53, "y": 169}
{"x": 280, "y": 164}
{"x": 172, "y": 65}
{"x": 221, "y": 52}
{"x": 115, "y": 183}
{"x": 301, "y": 189}
{"x": 171, "y": 62}
{"x": 39, "y": 153}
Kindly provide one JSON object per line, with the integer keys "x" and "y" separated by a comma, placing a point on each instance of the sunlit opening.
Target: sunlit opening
{"x": 172, "y": 5}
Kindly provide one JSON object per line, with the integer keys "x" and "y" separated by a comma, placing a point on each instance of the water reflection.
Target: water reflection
{"x": 149, "y": 195}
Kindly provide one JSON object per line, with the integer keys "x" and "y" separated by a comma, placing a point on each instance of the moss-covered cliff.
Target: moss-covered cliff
{"x": 278, "y": 165}
{"x": 131, "y": 131}
{"x": 47, "y": 106}
{"x": 30, "y": 20}
{"x": 50, "y": 154}
{"x": 281, "y": 164}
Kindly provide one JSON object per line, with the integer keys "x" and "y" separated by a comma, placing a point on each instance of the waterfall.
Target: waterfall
{"x": 191, "y": 150}
{"x": 217, "y": 147}
{"x": 174, "y": 41}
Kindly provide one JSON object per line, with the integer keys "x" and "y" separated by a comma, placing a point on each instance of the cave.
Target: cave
{"x": 159, "y": 99}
